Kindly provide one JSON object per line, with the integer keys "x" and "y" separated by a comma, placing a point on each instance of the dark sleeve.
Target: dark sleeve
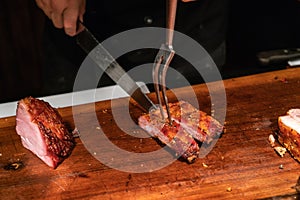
{"x": 203, "y": 20}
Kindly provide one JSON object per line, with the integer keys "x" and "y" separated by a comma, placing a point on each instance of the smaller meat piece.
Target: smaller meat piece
{"x": 200, "y": 125}
{"x": 188, "y": 124}
{"x": 42, "y": 131}
{"x": 289, "y": 132}
{"x": 173, "y": 135}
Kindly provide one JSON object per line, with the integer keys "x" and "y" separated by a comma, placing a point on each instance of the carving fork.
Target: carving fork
{"x": 163, "y": 59}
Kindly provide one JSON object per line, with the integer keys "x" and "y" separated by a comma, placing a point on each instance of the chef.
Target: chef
{"x": 203, "y": 20}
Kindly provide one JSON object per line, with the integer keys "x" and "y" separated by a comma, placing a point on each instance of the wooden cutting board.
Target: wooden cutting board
{"x": 242, "y": 164}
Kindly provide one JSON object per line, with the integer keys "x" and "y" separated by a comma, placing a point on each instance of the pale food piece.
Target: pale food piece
{"x": 289, "y": 132}
{"x": 42, "y": 131}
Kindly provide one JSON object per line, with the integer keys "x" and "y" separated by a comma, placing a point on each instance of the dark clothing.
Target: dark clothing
{"x": 20, "y": 49}
{"x": 203, "y": 20}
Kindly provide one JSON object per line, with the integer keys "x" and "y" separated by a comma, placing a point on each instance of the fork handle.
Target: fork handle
{"x": 171, "y": 15}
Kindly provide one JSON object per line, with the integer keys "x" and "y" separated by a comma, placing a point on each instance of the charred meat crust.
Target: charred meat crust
{"x": 290, "y": 139}
{"x": 188, "y": 124}
{"x": 199, "y": 124}
{"x": 58, "y": 140}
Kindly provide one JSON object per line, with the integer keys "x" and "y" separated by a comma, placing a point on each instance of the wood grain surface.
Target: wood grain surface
{"x": 242, "y": 164}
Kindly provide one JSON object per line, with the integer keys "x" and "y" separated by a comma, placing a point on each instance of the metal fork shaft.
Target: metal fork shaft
{"x": 163, "y": 83}
{"x": 160, "y": 68}
{"x": 163, "y": 59}
{"x": 171, "y": 15}
{"x": 155, "y": 75}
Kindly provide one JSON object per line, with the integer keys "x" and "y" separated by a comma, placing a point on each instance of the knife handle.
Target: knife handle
{"x": 281, "y": 56}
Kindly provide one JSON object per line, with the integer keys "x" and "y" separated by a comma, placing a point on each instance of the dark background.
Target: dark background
{"x": 254, "y": 26}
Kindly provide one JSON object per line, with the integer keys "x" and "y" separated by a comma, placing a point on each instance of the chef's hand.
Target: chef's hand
{"x": 185, "y": 1}
{"x": 64, "y": 13}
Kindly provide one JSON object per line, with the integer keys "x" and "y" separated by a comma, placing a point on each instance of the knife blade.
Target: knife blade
{"x": 104, "y": 60}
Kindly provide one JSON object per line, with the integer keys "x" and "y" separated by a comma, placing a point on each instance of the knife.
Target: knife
{"x": 104, "y": 60}
{"x": 280, "y": 56}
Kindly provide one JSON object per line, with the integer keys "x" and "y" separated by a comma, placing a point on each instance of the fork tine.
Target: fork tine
{"x": 163, "y": 59}
{"x": 155, "y": 75}
{"x": 160, "y": 67}
{"x": 163, "y": 83}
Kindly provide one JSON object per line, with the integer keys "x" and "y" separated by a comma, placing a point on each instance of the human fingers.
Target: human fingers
{"x": 64, "y": 13}
{"x": 57, "y": 19}
{"x": 54, "y": 10}
{"x": 80, "y": 26}
{"x": 71, "y": 15}
{"x": 45, "y": 6}
{"x": 186, "y": 1}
